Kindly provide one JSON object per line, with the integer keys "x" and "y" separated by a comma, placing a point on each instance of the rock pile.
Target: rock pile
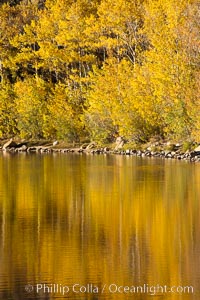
{"x": 176, "y": 153}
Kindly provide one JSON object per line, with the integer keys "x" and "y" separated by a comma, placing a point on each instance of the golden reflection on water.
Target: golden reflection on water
{"x": 98, "y": 220}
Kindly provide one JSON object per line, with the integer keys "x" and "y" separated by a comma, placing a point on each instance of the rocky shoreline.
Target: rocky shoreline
{"x": 90, "y": 148}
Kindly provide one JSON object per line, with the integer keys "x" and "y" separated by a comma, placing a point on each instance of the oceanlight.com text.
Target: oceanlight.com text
{"x": 111, "y": 288}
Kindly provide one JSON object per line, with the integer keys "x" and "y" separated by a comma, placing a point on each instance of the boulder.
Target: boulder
{"x": 31, "y": 149}
{"x": 9, "y": 144}
{"x": 23, "y": 148}
{"x": 106, "y": 149}
{"x": 55, "y": 143}
{"x": 197, "y": 150}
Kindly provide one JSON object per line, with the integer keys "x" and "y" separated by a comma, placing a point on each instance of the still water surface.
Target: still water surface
{"x": 99, "y": 222}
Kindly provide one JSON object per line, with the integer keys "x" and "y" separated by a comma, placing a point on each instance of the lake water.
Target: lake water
{"x": 98, "y": 227}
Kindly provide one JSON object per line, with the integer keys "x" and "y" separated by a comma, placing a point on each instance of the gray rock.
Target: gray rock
{"x": 23, "y": 148}
{"x": 31, "y": 149}
{"x": 55, "y": 143}
{"x": 9, "y": 144}
{"x": 168, "y": 154}
{"x": 133, "y": 152}
{"x": 148, "y": 153}
{"x": 106, "y": 149}
{"x": 197, "y": 150}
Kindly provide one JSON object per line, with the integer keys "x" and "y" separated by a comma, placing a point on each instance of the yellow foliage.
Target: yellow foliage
{"x": 146, "y": 57}
{"x": 30, "y": 106}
